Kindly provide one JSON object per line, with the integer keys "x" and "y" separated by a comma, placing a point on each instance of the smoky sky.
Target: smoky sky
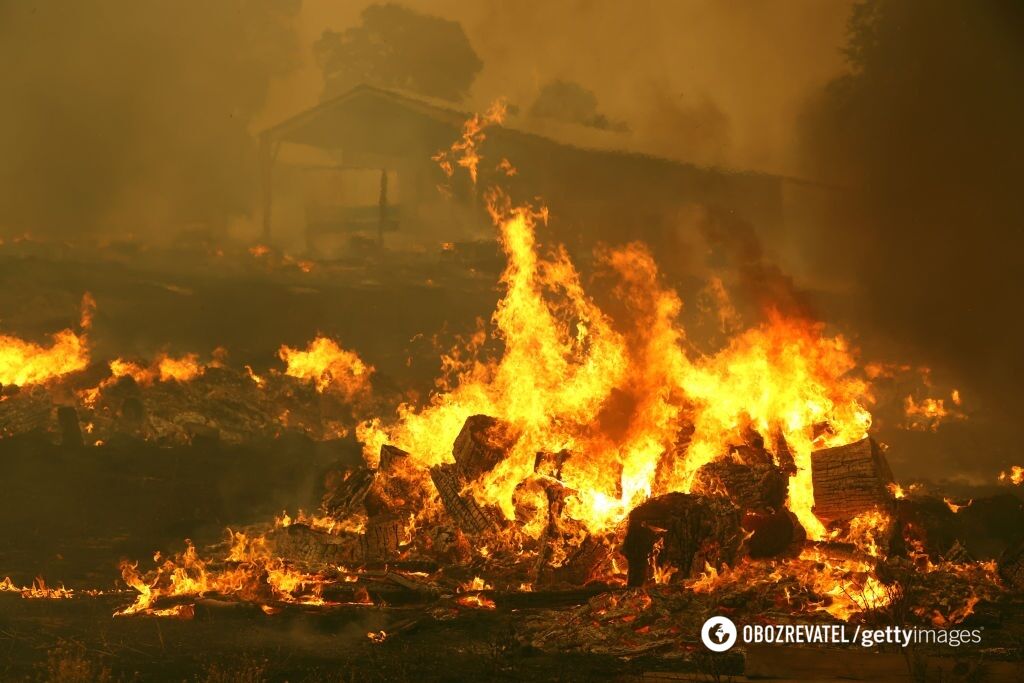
{"x": 131, "y": 117}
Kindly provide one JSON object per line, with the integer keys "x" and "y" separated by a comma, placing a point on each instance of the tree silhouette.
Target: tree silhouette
{"x": 925, "y": 130}
{"x": 396, "y": 47}
{"x": 571, "y": 102}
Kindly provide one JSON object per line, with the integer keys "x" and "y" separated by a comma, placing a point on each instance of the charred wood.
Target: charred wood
{"x": 346, "y": 492}
{"x": 383, "y": 536}
{"x": 300, "y": 544}
{"x": 682, "y": 532}
{"x": 775, "y": 534}
{"x": 1011, "y": 567}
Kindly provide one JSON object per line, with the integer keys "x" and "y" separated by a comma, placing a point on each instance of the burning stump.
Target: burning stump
{"x": 850, "y": 480}
{"x": 681, "y": 532}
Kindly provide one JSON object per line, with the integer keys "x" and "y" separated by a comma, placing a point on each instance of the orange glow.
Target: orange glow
{"x": 250, "y": 572}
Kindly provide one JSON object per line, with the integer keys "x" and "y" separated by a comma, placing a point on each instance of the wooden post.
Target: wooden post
{"x": 266, "y": 161}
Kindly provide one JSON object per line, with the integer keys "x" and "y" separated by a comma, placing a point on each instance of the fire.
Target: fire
{"x": 328, "y": 366}
{"x": 954, "y": 507}
{"x": 567, "y": 365}
{"x": 165, "y": 368}
{"x": 464, "y": 151}
{"x": 249, "y": 572}
{"x": 1014, "y": 476}
{"x": 24, "y": 362}
{"x": 471, "y": 596}
{"x": 38, "y": 590}
{"x": 929, "y": 413}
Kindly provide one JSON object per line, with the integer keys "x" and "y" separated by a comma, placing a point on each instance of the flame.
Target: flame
{"x": 1014, "y": 476}
{"x": 957, "y": 507}
{"x": 929, "y": 413}
{"x": 329, "y": 366}
{"x": 464, "y": 151}
{"x": 164, "y": 368}
{"x": 616, "y": 393}
{"x": 24, "y": 362}
{"x": 39, "y": 590}
{"x": 249, "y": 572}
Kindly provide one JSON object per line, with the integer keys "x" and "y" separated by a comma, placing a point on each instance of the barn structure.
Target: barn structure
{"x": 368, "y": 174}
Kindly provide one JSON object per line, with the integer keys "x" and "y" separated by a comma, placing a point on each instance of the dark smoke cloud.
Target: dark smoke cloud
{"x": 132, "y": 117}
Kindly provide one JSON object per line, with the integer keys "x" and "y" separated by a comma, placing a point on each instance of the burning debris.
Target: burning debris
{"x": 178, "y": 399}
{"x": 595, "y": 462}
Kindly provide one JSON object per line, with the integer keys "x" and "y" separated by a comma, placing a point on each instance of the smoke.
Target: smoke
{"x": 735, "y": 74}
{"x": 924, "y": 132}
{"x": 132, "y": 117}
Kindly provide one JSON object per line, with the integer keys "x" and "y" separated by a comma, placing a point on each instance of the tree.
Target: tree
{"x": 571, "y": 102}
{"x": 396, "y": 47}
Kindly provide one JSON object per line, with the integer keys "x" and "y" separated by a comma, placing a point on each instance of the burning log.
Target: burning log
{"x": 464, "y": 511}
{"x": 390, "y": 456}
{"x": 483, "y": 443}
{"x": 760, "y": 487}
{"x": 681, "y": 532}
{"x": 579, "y": 567}
{"x": 850, "y": 480}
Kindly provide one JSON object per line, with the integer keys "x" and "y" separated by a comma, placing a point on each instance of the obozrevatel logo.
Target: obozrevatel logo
{"x": 718, "y": 634}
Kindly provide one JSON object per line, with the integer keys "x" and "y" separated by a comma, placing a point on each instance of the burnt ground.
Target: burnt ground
{"x": 71, "y": 514}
